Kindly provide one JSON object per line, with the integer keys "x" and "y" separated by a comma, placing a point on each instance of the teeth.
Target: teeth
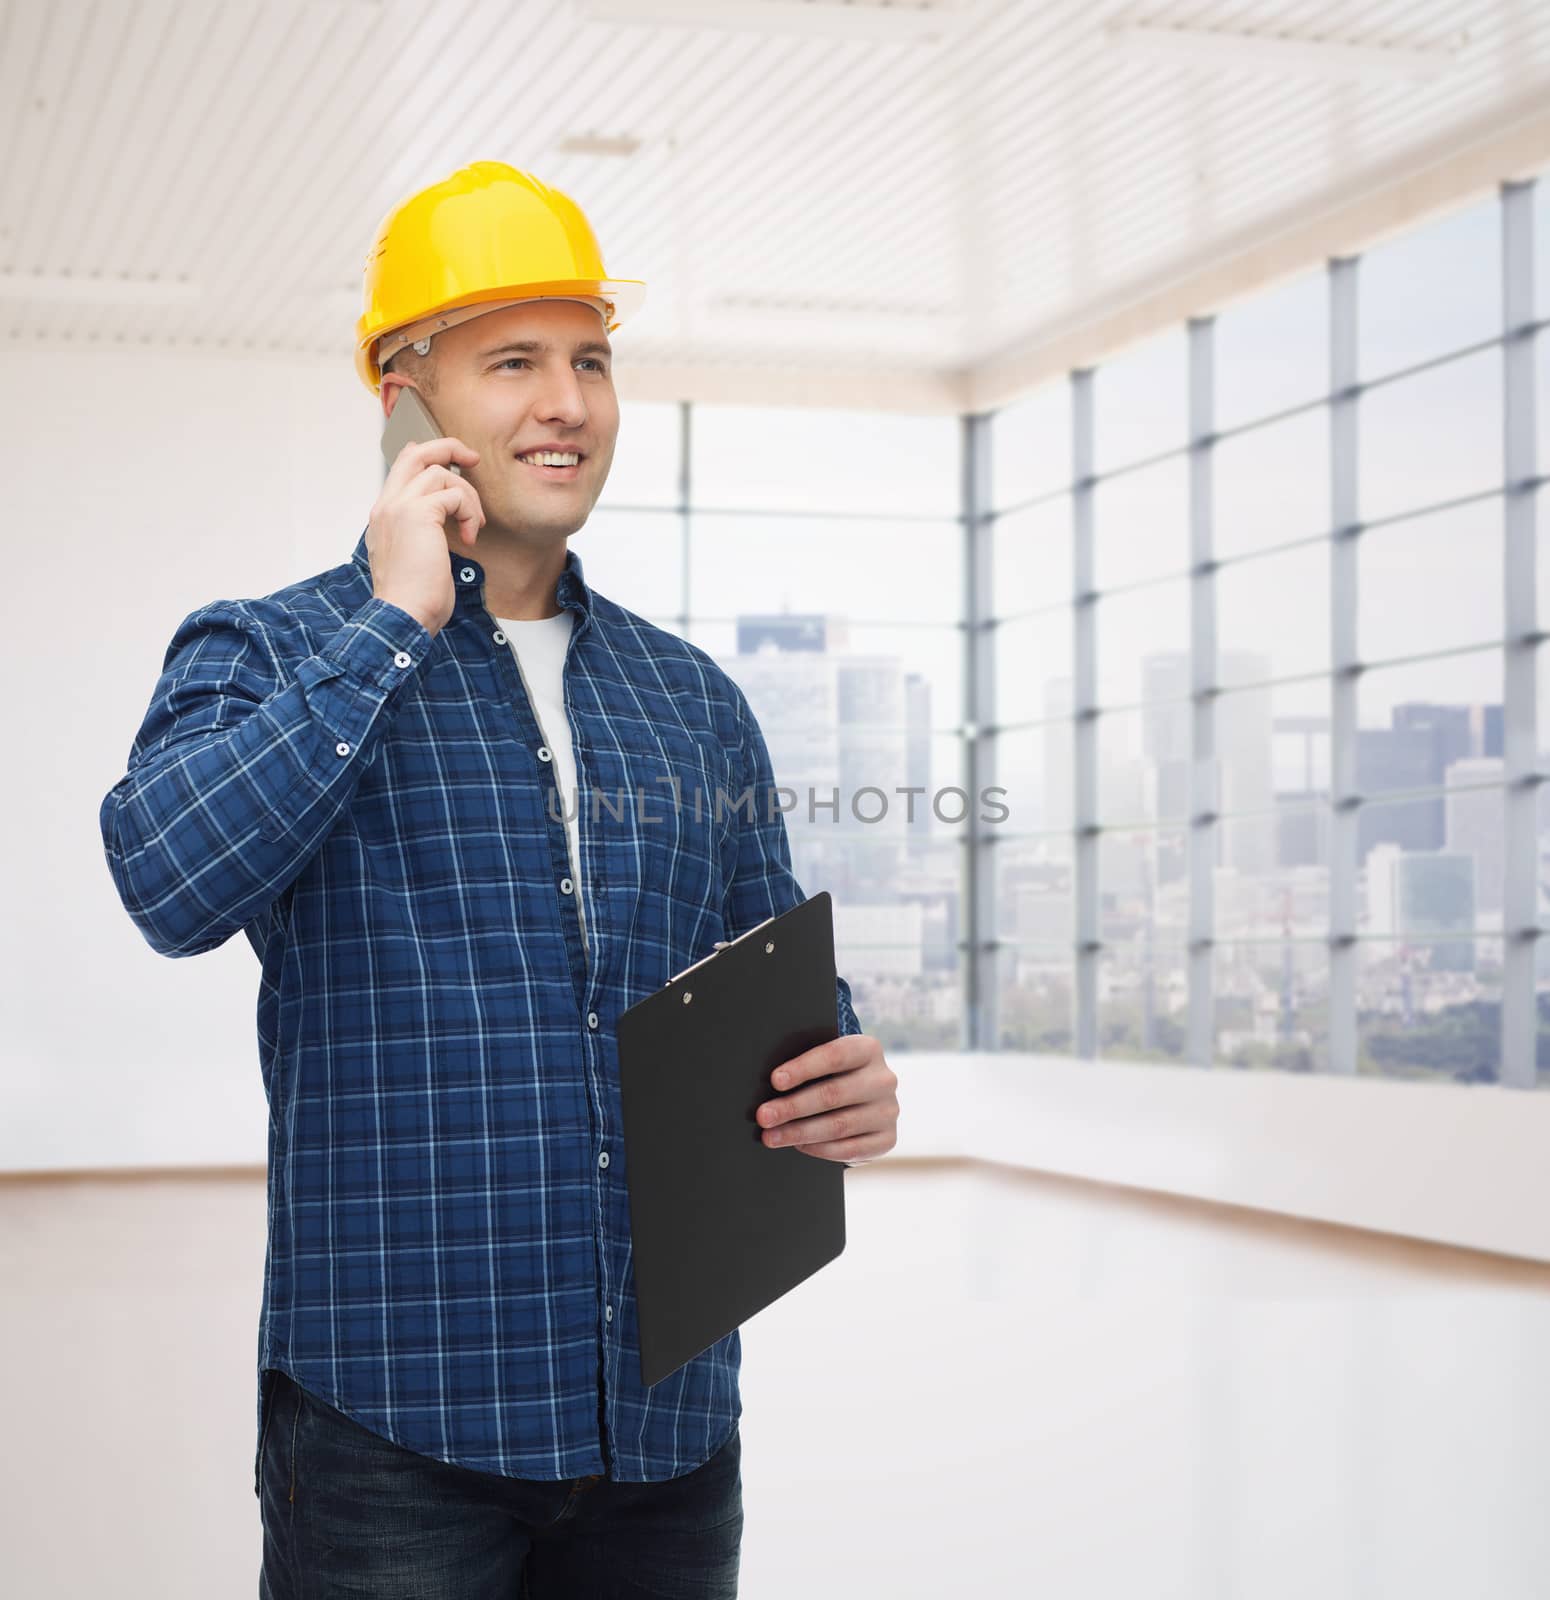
{"x": 552, "y": 458}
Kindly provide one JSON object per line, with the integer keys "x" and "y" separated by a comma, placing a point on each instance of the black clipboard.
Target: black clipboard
{"x": 722, "y": 1224}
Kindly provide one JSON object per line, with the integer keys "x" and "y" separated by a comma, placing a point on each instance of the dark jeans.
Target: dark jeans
{"x": 347, "y": 1512}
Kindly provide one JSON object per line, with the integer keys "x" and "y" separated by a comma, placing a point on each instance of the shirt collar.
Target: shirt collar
{"x": 572, "y": 591}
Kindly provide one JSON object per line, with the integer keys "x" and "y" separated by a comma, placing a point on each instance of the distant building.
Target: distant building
{"x": 1242, "y": 763}
{"x": 849, "y": 734}
{"x": 1413, "y": 897}
{"x": 1474, "y": 824}
{"x": 1415, "y": 752}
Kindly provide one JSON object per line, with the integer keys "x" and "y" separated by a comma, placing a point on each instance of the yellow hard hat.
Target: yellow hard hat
{"x": 488, "y": 233}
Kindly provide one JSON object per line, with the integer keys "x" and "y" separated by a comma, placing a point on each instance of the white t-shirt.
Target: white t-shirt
{"x": 540, "y": 647}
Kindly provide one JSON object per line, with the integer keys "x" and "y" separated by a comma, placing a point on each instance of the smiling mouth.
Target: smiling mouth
{"x": 560, "y": 473}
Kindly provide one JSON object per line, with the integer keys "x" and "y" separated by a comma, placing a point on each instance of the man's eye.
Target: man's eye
{"x": 592, "y": 360}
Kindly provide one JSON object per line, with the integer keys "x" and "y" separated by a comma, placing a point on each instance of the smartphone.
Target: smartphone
{"x": 410, "y": 423}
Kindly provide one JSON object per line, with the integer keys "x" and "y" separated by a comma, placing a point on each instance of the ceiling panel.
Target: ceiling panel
{"x": 812, "y": 214}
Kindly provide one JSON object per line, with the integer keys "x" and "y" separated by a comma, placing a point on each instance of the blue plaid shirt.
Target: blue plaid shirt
{"x": 449, "y": 1256}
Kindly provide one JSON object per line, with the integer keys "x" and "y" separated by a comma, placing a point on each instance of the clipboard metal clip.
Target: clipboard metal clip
{"x": 721, "y": 944}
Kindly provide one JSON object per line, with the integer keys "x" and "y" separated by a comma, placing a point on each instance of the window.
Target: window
{"x": 647, "y": 458}
{"x": 800, "y": 459}
{"x": 1141, "y": 524}
{"x": 1030, "y": 446}
{"x": 820, "y": 556}
{"x": 1272, "y": 351}
{"x": 1271, "y": 484}
{"x": 1141, "y": 402}
{"x": 1416, "y": 580}
{"x": 1431, "y": 290}
{"x": 822, "y": 567}
{"x": 1432, "y": 437}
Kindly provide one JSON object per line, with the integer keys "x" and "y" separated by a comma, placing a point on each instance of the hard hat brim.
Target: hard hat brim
{"x": 627, "y": 295}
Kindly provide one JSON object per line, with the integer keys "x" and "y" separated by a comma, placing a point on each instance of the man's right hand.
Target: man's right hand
{"x": 406, "y": 539}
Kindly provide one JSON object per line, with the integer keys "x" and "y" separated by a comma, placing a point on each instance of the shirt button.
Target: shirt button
{"x": 602, "y": 1160}
{"x": 467, "y": 574}
{"x": 591, "y": 1019}
{"x": 608, "y": 1313}
{"x": 500, "y": 638}
{"x": 566, "y": 886}
{"x": 544, "y": 753}
{"x": 341, "y": 749}
{"x": 402, "y": 659}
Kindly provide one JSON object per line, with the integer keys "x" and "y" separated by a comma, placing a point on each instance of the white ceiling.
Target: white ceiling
{"x": 921, "y": 222}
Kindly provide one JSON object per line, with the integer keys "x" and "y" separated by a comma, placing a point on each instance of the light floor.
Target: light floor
{"x": 1007, "y": 1385}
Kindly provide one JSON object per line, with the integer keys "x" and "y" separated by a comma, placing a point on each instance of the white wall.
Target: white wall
{"x": 139, "y": 486}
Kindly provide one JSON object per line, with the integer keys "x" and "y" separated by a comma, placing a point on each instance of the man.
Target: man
{"x": 381, "y": 776}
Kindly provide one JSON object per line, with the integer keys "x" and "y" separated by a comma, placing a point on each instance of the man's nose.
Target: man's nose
{"x": 562, "y": 398}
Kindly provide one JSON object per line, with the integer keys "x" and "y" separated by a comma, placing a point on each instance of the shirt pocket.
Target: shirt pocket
{"x": 677, "y": 799}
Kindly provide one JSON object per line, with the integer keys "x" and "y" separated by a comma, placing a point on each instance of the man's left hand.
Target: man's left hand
{"x": 848, "y": 1110}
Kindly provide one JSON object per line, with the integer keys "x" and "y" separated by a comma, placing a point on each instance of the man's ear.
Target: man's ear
{"x": 390, "y": 391}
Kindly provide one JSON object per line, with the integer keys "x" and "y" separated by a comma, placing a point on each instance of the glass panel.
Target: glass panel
{"x": 1387, "y": 833}
{"x": 864, "y": 784}
{"x": 1036, "y": 984}
{"x": 1271, "y": 878}
{"x": 1429, "y": 1010}
{"x": 1276, "y": 742}
{"x": 1135, "y": 628}
{"x": 1417, "y": 726}
{"x": 634, "y": 557}
{"x": 1272, "y": 1006}
{"x": 1433, "y": 437}
{"x": 1432, "y": 865}
{"x": 1272, "y": 350}
{"x": 1473, "y": 827}
{"x": 1143, "y": 884}
{"x": 1143, "y": 999}
{"x": 907, "y": 994}
{"x": 1031, "y": 558}
{"x": 1141, "y": 524}
{"x": 879, "y": 571}
{"x": 1034, "y": 766}
{"x": 790, "y": 458}
{"x": 1030, "y": 445}
{"x": 645, "y": 467}
{"x": 1431, "y": 289}
{"x": 1273, "y": 615}
{"x": 901, "y": 903}
{"x": 1034, "y": 903}
{"x": 1431, "y": 583}
{"x": 850, "y": 735}
{"x": 1272, "y": 485}
{"x": 1143, "y": 764}
{"x": 908, "y": 678}
{"x": 1141, "y": 401}
{"x": 930, "y": 877}
{"x": 1033, "y": 667}
{"x": 861, "y": 868}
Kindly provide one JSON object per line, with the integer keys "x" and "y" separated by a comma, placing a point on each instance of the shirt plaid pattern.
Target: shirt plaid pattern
{"x": 449, "y": 1256}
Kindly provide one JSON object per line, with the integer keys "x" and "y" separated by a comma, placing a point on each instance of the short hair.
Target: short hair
{"x": 409, "y": 363}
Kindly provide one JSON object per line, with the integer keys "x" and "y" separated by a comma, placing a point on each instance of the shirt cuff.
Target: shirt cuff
{"x": 381, "y": 644}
